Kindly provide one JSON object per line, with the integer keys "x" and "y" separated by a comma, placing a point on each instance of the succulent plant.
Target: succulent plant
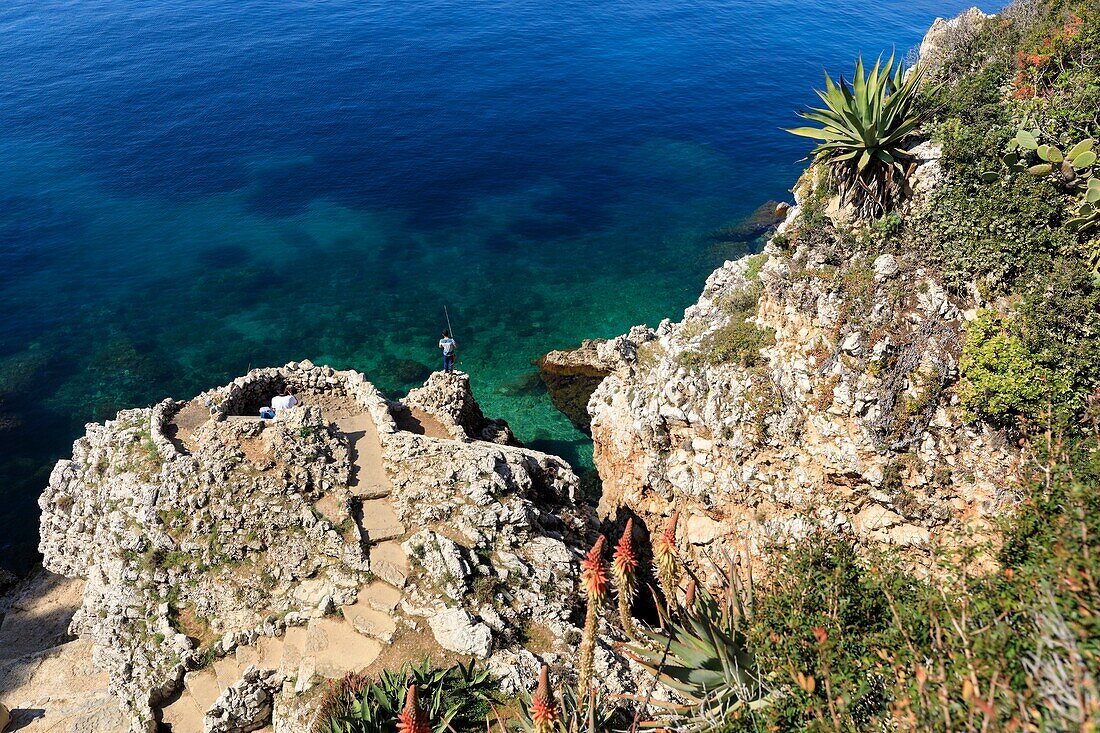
{"x": 1071, "y": 170}
{"x": 451, "y": 697}
{"x": 1085, "y": 216}
{"x": 545, "y": 710}
{"x": 624, "y": 571}
{"x": 666, "y": 558}
{"x": 412, "y": 719}
{"x": 594, "y": 585}
{"x": 1074, "y": 170}
{"x": 702, "y": 655}
{"x": 863, "y": 131}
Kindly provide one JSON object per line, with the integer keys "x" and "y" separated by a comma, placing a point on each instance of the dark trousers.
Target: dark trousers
{"x": 449, "y": 362}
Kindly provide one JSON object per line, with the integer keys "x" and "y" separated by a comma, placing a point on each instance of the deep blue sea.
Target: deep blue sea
{"x": 190, "y": 188}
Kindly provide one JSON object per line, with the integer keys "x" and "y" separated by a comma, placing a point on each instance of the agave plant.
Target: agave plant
{"x": 863, "y": 131}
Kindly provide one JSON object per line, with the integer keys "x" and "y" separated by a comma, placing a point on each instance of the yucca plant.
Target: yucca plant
{"x": 863, "y": 132}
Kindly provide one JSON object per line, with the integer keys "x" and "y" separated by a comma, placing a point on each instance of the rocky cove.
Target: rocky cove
{"x": 206, "y": 570}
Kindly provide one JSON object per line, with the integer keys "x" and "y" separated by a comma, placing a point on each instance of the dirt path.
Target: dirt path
{"x": 46, "y": 679}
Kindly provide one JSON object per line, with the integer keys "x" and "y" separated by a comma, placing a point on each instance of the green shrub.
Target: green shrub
{"x": 752, "y": 272}
{"x": 1002, "y": 379}
{"x": 995, "y": 233}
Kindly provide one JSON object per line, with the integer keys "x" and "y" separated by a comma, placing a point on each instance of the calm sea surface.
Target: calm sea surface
{"x": 189, "y": 188}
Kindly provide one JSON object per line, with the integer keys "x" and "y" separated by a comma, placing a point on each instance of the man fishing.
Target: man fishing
{"x": 448, "y": 345}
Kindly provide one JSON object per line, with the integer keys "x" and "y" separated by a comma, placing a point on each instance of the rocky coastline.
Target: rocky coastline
{"x": 217, "y": 566}
{"x": 210, "y": 570}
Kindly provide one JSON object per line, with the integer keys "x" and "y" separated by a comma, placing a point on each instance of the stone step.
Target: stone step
{"x": 370, "y": 622}
{"x": 271, "y": 652}
{"x": 228, "y": 671}
{"x": 183, "y": 716}
{"x": 247, "y": 654}
{"x": 379, "y": 521}
{"x": 372, "y": 491}
{"x": 381, "y": 597}
{"x": 294, "y": 642}
{"x": 203, "y": 687}
{"x": 388, "y": 562}
{"x": 337, "y": 649}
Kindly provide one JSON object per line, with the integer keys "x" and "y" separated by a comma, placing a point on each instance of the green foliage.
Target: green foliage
{"x": 996, "y": 233}
{"x": 1073, "y": 170}
{"x": 456, "y": 698}
{"x": 1002, "y": 379}
{"x": 969, "y": 83}
{"x": 1057, "y": 71}
{"x": 752, "y": 272}
{"x": 738, "y": 340}
{"x": 863, "y": 129}
{"x": 889, "y": 226}
{"x": 702, "y": 655}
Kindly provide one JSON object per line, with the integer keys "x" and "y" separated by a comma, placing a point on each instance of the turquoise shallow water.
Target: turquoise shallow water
{"x": 189, "y": 189}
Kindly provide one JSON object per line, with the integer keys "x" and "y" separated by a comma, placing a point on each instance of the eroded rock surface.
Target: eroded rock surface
{"x": 810, "y": 387}
{"x": 228, "y": 563}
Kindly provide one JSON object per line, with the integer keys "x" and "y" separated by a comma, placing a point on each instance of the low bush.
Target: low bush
{"x": 1003, "y": 381}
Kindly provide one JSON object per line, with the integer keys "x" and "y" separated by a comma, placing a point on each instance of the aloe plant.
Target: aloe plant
{"x": 702, "y": 655}
{"x": 545, "y": 712}
{"x": 864, "y": 127}
{"x": 455, "y": 697}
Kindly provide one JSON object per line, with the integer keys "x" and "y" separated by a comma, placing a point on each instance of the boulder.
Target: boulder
{"x": 571, "y": 376}
{"x": 455, "y": 629}
{"x": 247, "y": 705}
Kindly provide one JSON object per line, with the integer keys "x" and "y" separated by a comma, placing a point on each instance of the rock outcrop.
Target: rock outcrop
{"x": 809, "y": 388}
{"x": 229, "y": 562}
{"x": 571, "y": 376}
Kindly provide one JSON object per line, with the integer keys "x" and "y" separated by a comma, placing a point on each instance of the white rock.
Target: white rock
{"x": 456, "y": 630}
{"x": 886, "y": 267}
{"x": 702, "y": 530}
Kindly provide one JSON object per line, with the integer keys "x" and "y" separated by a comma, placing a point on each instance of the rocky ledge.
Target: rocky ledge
{"x": 222, "y": 564}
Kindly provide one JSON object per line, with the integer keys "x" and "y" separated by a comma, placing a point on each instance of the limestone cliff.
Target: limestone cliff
{"x": 227, "y": 563}
{"x": 810, "y": 387}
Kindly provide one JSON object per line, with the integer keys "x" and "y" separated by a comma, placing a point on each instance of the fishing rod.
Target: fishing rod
{"x": 449, "y": 329}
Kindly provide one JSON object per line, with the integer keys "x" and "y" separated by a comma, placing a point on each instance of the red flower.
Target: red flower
{"x": 624, "y": 565}
{"x": 594, "y": 572}
{"x": 544, "y": 708}
{"x": 412, "y": 718}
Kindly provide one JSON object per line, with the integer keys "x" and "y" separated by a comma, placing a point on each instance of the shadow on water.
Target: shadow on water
{"x": 570, "y": 450}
